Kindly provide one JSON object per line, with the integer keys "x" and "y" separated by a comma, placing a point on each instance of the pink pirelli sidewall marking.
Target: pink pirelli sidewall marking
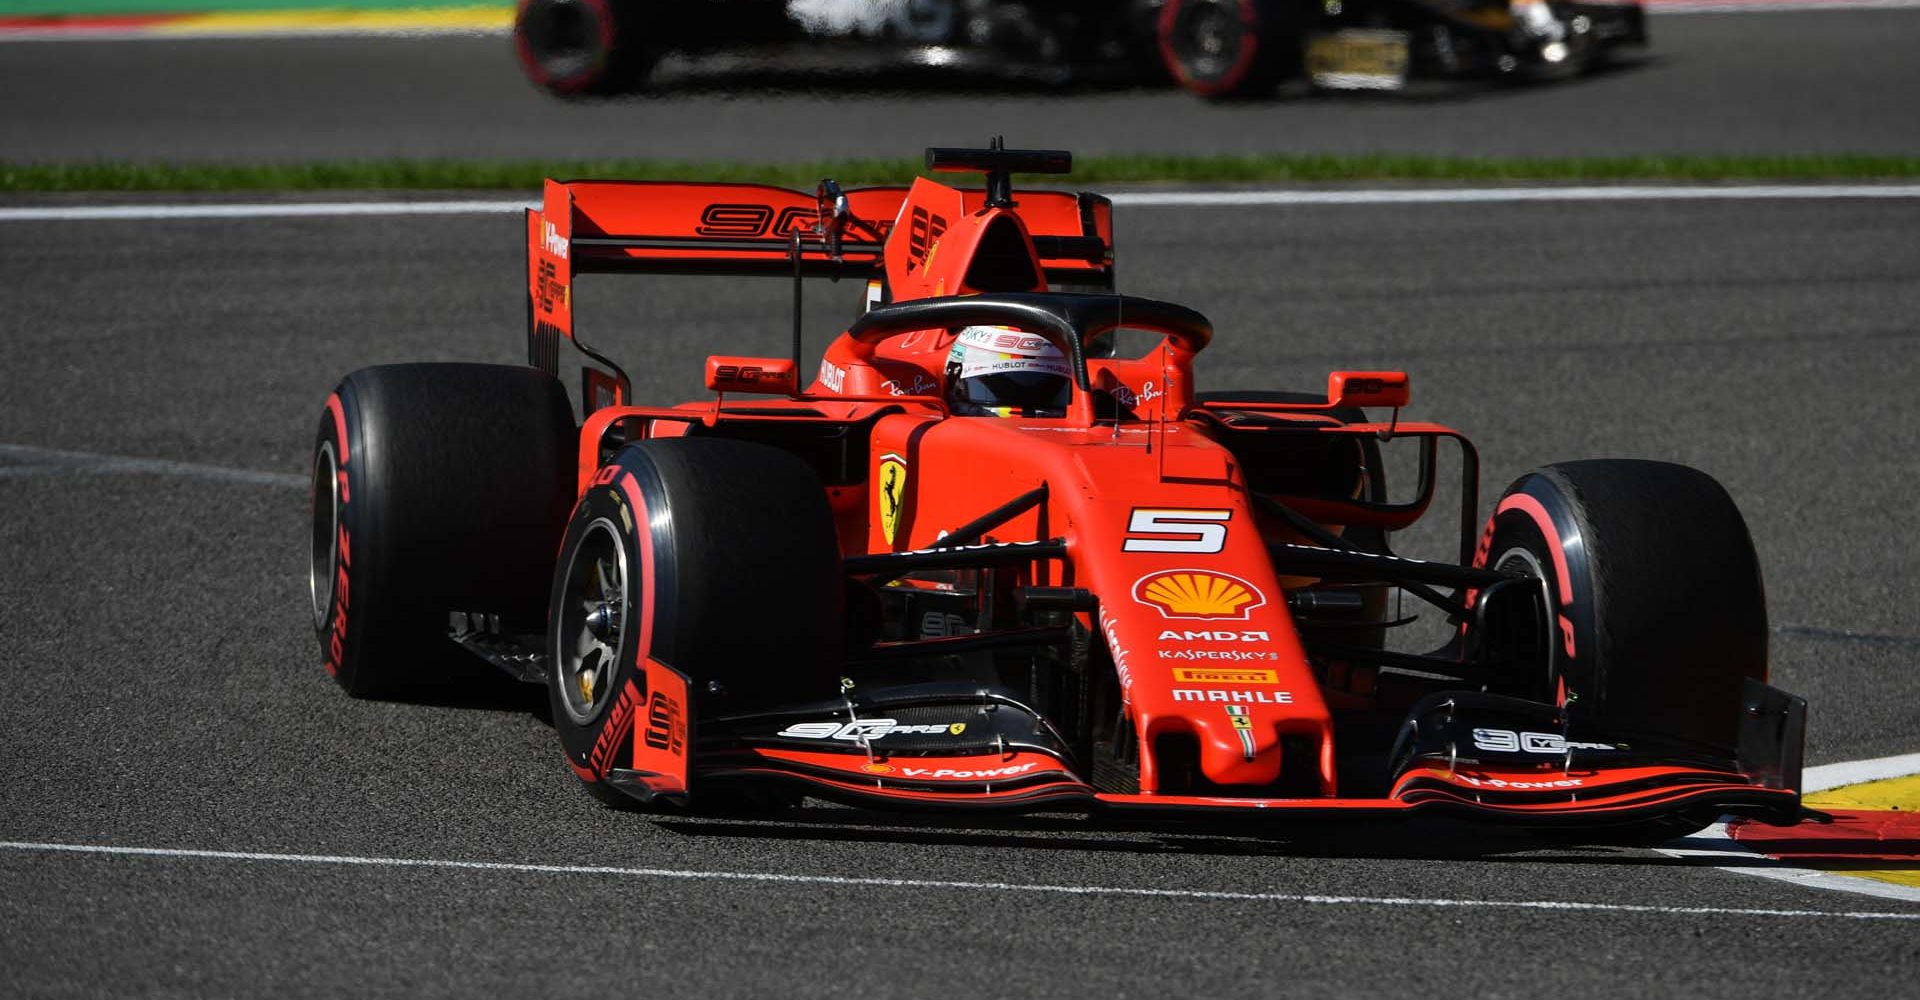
{"x": 339, "y": 424}
{"x": 1532, "y": 508}
{"x": 642, "y": 530}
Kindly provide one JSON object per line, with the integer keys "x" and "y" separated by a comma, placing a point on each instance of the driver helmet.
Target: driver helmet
{"x": 1002, "y": 372}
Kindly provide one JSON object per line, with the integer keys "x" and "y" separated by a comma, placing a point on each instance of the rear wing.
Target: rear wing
{"x": 654, "y": 227}
{"x": 659, "y": 227}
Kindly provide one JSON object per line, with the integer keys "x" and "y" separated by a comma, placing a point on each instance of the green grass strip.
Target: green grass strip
{"x": 1088, "y": 170}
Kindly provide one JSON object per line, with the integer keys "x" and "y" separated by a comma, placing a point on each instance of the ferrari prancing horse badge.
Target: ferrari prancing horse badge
{"x": 893, "y": 493}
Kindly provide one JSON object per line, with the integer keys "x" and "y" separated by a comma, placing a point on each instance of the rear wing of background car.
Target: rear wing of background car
{"x": 653, "y": 227}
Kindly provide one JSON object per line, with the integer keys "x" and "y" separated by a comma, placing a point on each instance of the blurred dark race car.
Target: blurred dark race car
{"x": 1244, "y": 48}
{"x": 1216, "y": 48}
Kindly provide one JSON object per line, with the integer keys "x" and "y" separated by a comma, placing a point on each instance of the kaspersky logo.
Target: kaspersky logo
{"x": 1193, "y": 593}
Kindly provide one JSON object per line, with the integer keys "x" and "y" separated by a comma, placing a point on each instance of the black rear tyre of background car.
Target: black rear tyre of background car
{"x": 1230, "y": 49}
{"x": 589, "y": 47}
{"x": 1663, "y": 614}
{"x": 723, "y": 557}
{"x": 436, "y": 488}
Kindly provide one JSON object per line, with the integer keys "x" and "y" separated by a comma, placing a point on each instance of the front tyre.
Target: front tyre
{"x": 1660, "y": 612}
{"x": 715, "y": 558}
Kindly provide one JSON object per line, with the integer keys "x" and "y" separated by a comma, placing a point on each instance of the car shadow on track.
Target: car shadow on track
{"x": 1411, "y": 840}
{"x": 460, "y": 682}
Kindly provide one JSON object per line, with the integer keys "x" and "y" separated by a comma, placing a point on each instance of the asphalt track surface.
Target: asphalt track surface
{"x": 162, "y": 687}
{"x": 1792, "y": 82}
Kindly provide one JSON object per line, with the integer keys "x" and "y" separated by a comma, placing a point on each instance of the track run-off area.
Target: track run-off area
{"x": 193, "y": 807}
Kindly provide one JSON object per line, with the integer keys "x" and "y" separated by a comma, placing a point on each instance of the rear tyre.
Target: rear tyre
{"x": 436, "y": 488}
{"x": 1662, "y": 613}
{"x": 715, "y": 557}
{"x": 586, "y": 47}
{"x": 1229, "y": 49}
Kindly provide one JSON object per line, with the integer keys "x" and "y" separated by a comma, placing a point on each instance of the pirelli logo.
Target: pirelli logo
{"x": 1191, "y": 675}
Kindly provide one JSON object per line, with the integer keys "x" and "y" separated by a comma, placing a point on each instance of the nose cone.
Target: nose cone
{"x": 1235, "y": 747}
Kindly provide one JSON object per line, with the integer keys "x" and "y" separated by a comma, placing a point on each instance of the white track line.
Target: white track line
{"x": 1718, "y": 850}
{"x": 1129, "y": 199}
{"x": 1713, "y": 844}
{"x": 1853, "y": 772}
{"x": 907, "y": 883}
{"x": 1457, "y": 196}
{"x": 33, "y": 461}
{"x": 263, "y": 210}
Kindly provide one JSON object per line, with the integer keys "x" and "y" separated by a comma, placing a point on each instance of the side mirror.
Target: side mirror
{"x": 768, "y": 376}
{"x": 1368, "y": 389}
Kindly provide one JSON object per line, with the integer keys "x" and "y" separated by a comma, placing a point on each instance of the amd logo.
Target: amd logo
{"x": 1218, "y": 635}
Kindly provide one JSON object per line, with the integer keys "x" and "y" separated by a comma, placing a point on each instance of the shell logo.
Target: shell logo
{"x": 1193, "y": 593}
{"x": 877, "y": 768}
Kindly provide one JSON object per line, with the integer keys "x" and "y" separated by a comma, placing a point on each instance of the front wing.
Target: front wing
{"x": 1011, "y": 760}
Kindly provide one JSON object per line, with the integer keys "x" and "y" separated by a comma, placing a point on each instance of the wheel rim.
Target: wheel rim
{"x": 1523, "y": 560}
{"x": 1207, "y": 39}
{"x": 592, "y": 625}
{"x": 323, "y": 549}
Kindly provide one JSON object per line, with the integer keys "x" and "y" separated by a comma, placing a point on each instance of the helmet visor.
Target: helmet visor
{"x": 1035, "y": 394}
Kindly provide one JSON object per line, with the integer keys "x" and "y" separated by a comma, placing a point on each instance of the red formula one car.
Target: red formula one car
{"x": 991, "y": 558}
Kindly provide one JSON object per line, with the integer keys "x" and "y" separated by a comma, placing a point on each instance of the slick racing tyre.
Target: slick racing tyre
{"x": 1661, "y": 613}
{"x": 587, "y": 47}
{"x": 1227, "y": 49}
{"x": 436, "y": 488}
{"x": 717, "y": 558}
